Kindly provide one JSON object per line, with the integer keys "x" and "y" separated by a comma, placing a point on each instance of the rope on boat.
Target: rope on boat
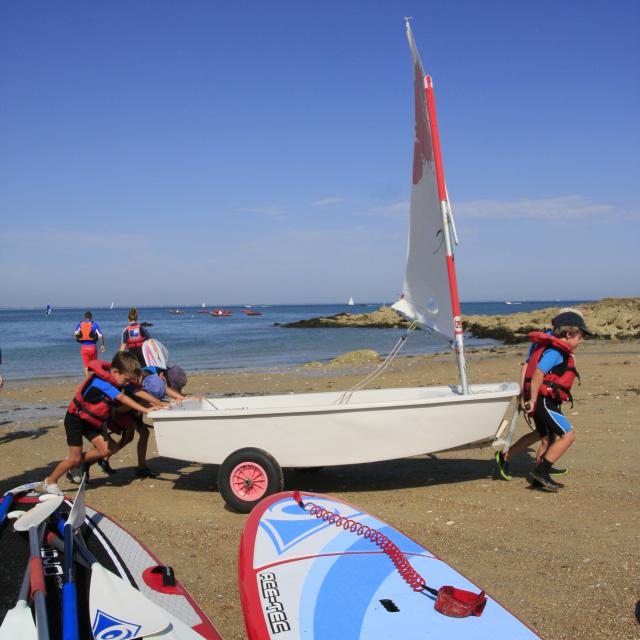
{"x": 346, "y": 396}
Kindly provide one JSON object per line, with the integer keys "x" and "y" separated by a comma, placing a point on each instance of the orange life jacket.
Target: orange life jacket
{"x": 87, "y": 332}
{"x": 557, "y": 383}
{"x": 134, "y": 336}
{"x": 95, "y": 413}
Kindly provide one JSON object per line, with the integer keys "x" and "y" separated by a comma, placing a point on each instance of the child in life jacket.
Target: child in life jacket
{"x": 133, "y": 336}
{"x": 125, "y": 421}
{"x": 547, "y": 377}
{"x": 89, "y": 409}
{"x": 87, "y": 333}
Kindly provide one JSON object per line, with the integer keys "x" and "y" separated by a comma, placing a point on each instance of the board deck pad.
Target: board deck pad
{"x": 301, "y": 577}
{"x": 116, "y": 550}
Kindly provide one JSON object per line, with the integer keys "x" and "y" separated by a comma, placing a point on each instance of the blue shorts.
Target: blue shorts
{"x": 549, "y": 420}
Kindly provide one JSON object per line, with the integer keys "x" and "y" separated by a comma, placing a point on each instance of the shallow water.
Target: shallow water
{"x": 35, "y": 345}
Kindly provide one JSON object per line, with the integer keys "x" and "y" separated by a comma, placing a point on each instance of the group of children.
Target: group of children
{"x": 112, "y": 401}
{"x": 115, "y": 396}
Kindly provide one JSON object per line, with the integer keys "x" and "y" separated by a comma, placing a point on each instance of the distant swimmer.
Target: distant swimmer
{"x": 133, "y": 336}
{"x": 88, "y": 333}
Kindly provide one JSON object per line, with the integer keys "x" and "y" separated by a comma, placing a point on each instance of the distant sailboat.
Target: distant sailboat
{"x": 351, "y": 302}
{"x": 48, "y": 310}
{"x": 203, "y": 305}
{"x": 111, "y": 307}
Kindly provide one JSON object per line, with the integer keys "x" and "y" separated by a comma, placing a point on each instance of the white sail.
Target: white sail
{"x": 351, "y": 302}
{"x": 426, "y": 296}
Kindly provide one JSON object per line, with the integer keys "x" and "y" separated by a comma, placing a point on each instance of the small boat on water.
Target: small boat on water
{"x": 351, "y": 302}
{"x": 251, "y": 312}
{"x": 176, "y": 312}
{"x": 223, "y": 313}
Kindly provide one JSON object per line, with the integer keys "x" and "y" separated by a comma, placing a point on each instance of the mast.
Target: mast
{"x": 446, "y": 231}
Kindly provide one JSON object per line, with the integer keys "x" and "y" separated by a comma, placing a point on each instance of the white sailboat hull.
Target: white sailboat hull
{"x": 308, "y": 430}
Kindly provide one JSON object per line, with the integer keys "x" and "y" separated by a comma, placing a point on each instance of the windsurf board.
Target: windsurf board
{"x": 117, "y": 551}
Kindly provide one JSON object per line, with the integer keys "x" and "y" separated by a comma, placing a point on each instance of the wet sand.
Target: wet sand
{"x": 566, "y": 563}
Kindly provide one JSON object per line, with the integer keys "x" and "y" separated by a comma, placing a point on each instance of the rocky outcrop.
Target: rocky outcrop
{"x": 609, "y": 318}
{"x": 383, "y": 318}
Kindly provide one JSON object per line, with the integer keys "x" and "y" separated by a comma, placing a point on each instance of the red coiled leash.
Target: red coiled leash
{"x": 449, "y": 600}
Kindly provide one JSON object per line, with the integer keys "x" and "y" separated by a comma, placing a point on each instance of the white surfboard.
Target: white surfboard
{"x": 155, "y": 354}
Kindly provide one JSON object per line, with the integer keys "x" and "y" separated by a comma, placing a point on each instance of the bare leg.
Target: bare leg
{"x": 527, "y": 440}
{"x": 559, "y": 447}
{"x": 143, "y": 441}
{"x": 73, "y": 460}
{"x": 100, "y": 450}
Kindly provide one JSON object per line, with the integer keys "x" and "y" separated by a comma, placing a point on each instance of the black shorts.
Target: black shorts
{"x": 76, "y": 427}
{"x": 548, "y": 418}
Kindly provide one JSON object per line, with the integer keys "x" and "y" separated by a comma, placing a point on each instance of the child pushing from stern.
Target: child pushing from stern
{"x": 88, "y": 410}
{"x": 547, "y": 377}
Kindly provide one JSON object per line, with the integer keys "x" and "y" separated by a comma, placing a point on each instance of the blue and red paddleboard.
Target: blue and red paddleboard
{"x": 304, "y": 577}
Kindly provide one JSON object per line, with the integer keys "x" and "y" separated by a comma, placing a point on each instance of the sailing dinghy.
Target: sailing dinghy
{"x": 252, "y": 438}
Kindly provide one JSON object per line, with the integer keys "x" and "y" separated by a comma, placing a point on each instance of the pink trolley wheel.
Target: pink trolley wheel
{"x": 247, "y": 476}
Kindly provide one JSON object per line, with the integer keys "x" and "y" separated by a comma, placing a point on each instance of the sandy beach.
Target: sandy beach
{"x": 565, "y": 563}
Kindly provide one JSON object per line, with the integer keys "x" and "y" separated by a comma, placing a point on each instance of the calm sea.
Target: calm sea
{"x": 35, "y": 345}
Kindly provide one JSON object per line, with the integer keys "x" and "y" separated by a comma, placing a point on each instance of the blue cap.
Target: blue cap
{"x": 154, "y": 385}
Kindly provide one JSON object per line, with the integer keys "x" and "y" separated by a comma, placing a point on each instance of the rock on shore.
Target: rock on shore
{"x": 609, "y": 318}
{"x": 383, "y": 318}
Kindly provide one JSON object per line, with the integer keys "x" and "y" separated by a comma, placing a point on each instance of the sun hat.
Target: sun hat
{"x": 571, "y": 319}
{"x": 176, "y": 377}
{"x": 154, "y": 385}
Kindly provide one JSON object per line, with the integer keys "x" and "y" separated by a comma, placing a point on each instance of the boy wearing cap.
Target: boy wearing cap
{"x": 547, "y": 377}
{"x": 155, "y": 381}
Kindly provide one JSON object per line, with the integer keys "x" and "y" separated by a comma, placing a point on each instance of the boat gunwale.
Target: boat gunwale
{"x": 167, "y": 415}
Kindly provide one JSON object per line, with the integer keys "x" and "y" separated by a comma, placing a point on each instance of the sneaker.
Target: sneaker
{"x": 106, "y": 467}
{"x": 545, "y": 480}
{"x": 52, "y": 488}
{"x": 75, "y": 475}
{"x": 536, "y": 484}
{"x": 145, "y": 472}
{"x": 558, "y": 472}
{"x": 503, "y": 465}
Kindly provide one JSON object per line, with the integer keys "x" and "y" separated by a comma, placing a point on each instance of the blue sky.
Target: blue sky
{"x": 254, "y": 152}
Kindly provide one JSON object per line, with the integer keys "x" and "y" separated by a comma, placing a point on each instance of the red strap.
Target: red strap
{"x": 36, "y": 576}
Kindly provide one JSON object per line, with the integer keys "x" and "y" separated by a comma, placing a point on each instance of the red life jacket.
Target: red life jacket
{"x": 93, "y": 413}
{"x": 135, "y": 338}
{"x": 87, "y": 332}
{"x": 557, "y": 383}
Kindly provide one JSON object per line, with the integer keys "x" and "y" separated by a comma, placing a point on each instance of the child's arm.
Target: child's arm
{"x": 123, "y": 398}
{"x": 174, "y": 394}
{"x": 144, "y": 395}
{"x": 522, "y": 375}
{"x": 536, "y": 383}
